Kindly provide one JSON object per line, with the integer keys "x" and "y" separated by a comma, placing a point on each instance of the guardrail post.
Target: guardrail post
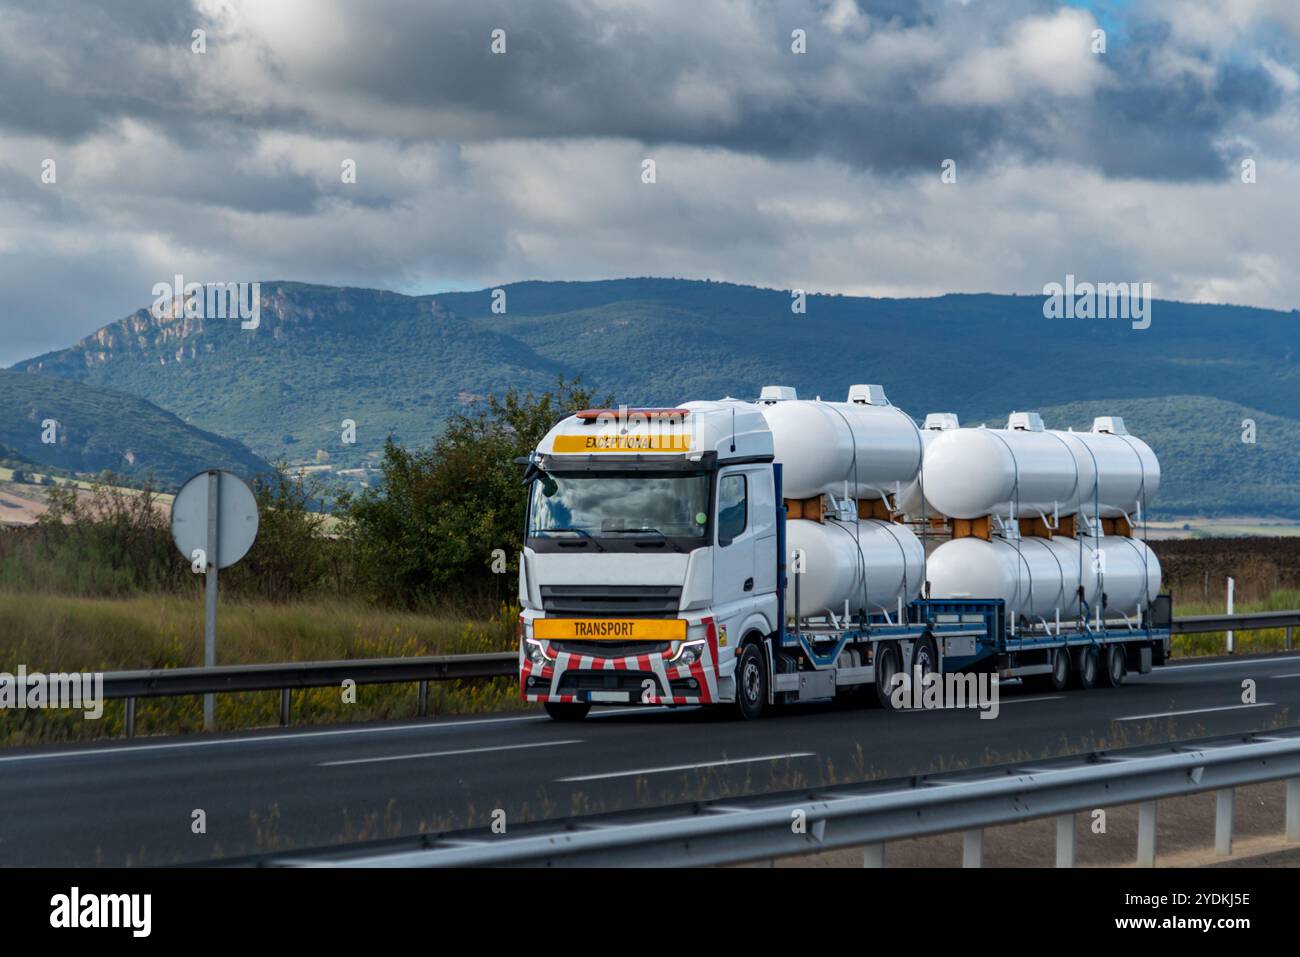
{"x": 1289, "y": 629}
{"x": 1066, "y": 840}
{"x": 424, "y": 698}
{"x": 284, "y": 707}
{"x": 1293, "y": 809}
{"x": 1147, "y": 834}
{"x": 130, "y": 717}
{"x": 1224, "y": 800}
{"x": 873, "y": 855}
{"x": 972, "y": 848}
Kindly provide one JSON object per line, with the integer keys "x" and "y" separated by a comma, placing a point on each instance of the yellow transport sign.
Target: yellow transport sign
{"x": 610, "y": 629}
{"x": 655, "y": 442}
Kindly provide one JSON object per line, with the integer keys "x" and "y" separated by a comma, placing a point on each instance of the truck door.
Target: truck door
{"x": 734, "y": 586}
{"x": 762, "y": 522}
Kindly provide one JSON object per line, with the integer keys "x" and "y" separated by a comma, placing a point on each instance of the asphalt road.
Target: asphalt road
{"x": 135, "y": 803}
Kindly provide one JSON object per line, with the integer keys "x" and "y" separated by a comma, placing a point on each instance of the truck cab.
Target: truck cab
{"x": 651, "y": 559}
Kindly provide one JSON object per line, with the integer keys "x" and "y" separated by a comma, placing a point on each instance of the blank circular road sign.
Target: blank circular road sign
{"x": 236, "y": 517}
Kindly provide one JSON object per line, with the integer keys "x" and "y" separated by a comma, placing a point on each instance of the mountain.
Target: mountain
{"x": 102, "y": 429}
{"x": 400, "y": 364}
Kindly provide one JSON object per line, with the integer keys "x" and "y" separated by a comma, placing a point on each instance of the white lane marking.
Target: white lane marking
{"x": 1256, "y": 662}
{"x": 688, "y": 767}
{"x": 1294, "y": 674}
{"x": 1012, "y": 699}
{"x": 138, "y": 748}
{"x": 1174, "y": 714}
{"x": 640, "y": 709}
{"x": 445, "y": 754}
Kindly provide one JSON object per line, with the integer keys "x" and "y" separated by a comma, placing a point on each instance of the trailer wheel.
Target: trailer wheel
{"x": 1112, "y": 675}
{"x": 1059, "y": 676}
{"x": 568, "y": 710}
{"x": 1086, "y": 667}
{"x": 751, "y": 683}
{"x": 888, "y": 663}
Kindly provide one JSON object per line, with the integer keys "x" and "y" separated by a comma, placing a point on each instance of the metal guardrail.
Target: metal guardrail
{"x": 285, "y": 677}
{"x": 732, "y": 833}
{"x": 1248, "y": 621}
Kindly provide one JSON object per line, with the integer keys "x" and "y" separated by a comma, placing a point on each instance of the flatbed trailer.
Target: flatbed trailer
{"x": 816, "y": 658}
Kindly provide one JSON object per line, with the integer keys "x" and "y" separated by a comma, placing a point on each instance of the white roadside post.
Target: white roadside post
{"x": 214, "y": 524}
{"x": 1232, "y": 586}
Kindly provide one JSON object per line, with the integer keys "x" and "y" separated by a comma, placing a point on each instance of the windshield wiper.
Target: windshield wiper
{"x": 577, "y": 531}
{"x": 642, "y": 531}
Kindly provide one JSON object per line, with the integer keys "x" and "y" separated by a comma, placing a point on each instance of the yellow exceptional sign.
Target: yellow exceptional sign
{"x": 645, "y": 442}
{"x": 610, "y": 629}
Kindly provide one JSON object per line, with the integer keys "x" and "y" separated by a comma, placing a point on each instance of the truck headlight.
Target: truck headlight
{"x": 689, "y": 653}
{"x": 535, "y": 652}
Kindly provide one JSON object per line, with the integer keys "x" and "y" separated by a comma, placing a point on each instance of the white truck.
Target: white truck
{"x": 667, "y": 562}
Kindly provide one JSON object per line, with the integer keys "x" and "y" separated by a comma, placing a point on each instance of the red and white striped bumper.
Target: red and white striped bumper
{"x": 657, "y": 665}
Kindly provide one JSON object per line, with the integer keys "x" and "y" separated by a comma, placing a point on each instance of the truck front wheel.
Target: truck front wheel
{"x": 751, "y": 683}
{"x": 567, "y": 711}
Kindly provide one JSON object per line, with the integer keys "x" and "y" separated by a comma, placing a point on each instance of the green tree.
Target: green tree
{"x": 430, "y": 531}
{"x": 293, "y": 553}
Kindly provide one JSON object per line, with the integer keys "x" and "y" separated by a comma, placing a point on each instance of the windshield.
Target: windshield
{"x": 619, "y": 504}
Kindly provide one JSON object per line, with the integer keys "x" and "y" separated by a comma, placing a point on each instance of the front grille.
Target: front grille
{"x": 610, "y": 649}
{"x": 572, "y": 681}
{"x": 611, "y": 599}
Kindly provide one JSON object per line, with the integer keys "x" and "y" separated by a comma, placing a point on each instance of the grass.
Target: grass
{"x": 1244, "y": 642}
{"x": 57, "y": 633}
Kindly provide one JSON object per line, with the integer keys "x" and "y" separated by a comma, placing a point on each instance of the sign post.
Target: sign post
{"x": 214, "y": 523}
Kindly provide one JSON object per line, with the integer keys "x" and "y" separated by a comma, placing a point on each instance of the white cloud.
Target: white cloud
{"x": 1043, "y": 55}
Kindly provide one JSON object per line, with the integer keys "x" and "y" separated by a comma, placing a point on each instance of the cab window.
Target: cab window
{"x": 733, "y": 508}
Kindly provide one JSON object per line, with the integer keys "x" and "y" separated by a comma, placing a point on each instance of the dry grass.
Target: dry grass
{"x": 55, "y": 633}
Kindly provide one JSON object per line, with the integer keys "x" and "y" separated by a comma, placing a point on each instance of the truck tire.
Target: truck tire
{"x": 888, "y": 661}
{"x": 567, "y": 710}
{"x": 1113, "y": 667}
{"x": 1086, "y": 666}
{"x": 751, "y": 683}
{"x": 1057, "y": 678}
{"x": 925, "y": 655}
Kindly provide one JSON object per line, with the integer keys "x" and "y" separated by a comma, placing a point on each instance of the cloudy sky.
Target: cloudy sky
{"x": 819, "y": 170}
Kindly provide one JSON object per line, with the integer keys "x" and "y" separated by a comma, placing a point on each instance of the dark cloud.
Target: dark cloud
{"x": 698, "y": 74}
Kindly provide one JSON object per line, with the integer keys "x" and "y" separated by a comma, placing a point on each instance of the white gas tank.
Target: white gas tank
{"x": 870, "y": 564}
{"x": 1130, "y": 575}
{"x": 1038, "y": 577}
{"x": 867, "y": 443}
{"x": 911, "y": 502}
{"x": 1127, "y": 472}
{"x": 971, "y": 473}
